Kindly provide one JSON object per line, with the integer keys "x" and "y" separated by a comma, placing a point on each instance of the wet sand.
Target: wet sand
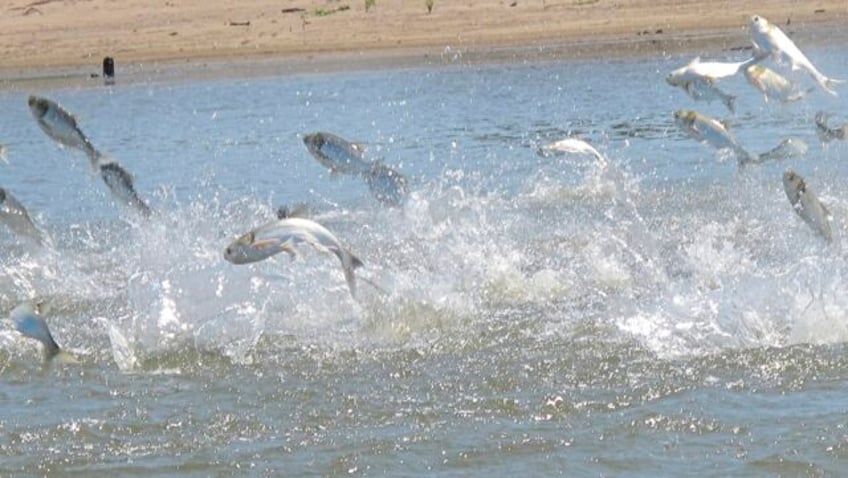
{"x": 62, "y": 40}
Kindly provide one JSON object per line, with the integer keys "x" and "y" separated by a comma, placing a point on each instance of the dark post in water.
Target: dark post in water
{"x": 109, "y": 70}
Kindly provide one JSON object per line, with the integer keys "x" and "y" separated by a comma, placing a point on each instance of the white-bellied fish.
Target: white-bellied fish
{"x": 120, "y": 183}
{"x": 337, "y": 154}
{"x": 806, "y": 204}
{"x": 386, "y": 184}
{"x": 825, "y": 132}
{"x": 285, "y": 235}
{"x": 788, "y": 148}
{"x": 769, "y": 38}
{"x": 707, "y": 91}
{"x": 61, "y": 126}
{"x": 710, "y": 130}
{"x": 30, "y": 324}
{"x": 572, "y": 146}
{"x": 708, "y": 70}
{"x": 16, "y": 217}
{"x": 772, "y": 85}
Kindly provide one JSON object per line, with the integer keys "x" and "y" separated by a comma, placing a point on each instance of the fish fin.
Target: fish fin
{"x": 359, "y": 148}
{"x": 725, "y": 123}
{"x": 729, "y": 101}
{"x": 64, "y": 357}
{"x": 799, "y": 96}
{"x": 825, "y": 210}
{"x": 695, "y": 60}
{"x": 289, "y": 249}
{"x": 3, "y": 156}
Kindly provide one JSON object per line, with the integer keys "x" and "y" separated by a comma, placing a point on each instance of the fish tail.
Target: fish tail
{"x": 828, "y": 84}
{"x": 350, "y": 263}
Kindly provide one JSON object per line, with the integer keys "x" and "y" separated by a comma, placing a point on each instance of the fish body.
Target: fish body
{"x": 386, "y": 184}
{"x": 770, "y": 39}
{"x": 707, "y": 91}
{"x": 337, "y": 154}
{"x": 709, "y": 130}
{"x": 284, "y": 235}
{"x": 788, "y": 148}
{"x": 772, "y": 85}
{"x": 806, "y": 204}
{"x": 707, "y": 70}
{"x": 825, "y": 132}
{"x": 16, "y": 217}
{"x": 31, "y": 325}
{"x": 572, "y": 146}
{"x": 61, "y": 126}
{"x": 120, "y": 183}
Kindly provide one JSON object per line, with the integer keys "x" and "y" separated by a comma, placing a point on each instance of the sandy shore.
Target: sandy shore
{"x": 51, "y": 39}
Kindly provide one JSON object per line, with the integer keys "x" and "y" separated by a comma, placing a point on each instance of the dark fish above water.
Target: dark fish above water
{"x": 120, "y": 183}
{"x": 30, "y": 324}
{"x": 341, "y": 156}
{"x": 386, "y": 184}
{"x": 806, "y": 204}
{"x": 337, "y": 154}
{"x": 61, "y": 126}
{"x": 826, "y": 133}
{"x": 16, "y": 217}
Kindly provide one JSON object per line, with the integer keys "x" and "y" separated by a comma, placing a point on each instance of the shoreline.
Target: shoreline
{"x": 607, "y": 43}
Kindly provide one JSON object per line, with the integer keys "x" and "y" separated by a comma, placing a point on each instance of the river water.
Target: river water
{"x": 668, "y": 314}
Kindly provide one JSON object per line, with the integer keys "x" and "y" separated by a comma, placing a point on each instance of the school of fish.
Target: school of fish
{"x": 292, "y": 228}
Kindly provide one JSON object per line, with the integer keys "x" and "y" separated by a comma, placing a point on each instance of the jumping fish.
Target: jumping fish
{"x": 827, "y": 133}
{"x": 31, "y": 325}
{"x": 285, "y": 235}
{"x": 61, "y": 126}
{"x": 337, "y": 154}
{"x": 386, "y": 184}
{"x": 120, "y": 183}
{"x": 770, "y": 39}
{"x": 806, "y": 204}
{"x": 572, "y": 146}
{"x": 788, "y": 148}
{"x": 772, "y": 85}
{"x": 705, "y": 89}
{"x": 15, "y": 216}
{"x": 710, "y": 130}
{"x": 708, "y": 70}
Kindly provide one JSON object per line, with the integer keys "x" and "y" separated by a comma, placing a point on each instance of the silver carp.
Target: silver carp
{"x": 709, "y": 130}
{"x": 773, "y": 86}
{"x": 826, "y": 133}
{"x": 61, "y": 126}
{"x": 16, "y": 217}
{"x": 285, "y": 235}
{"x": 30, "y": 324}
{"x": 120, "y": 183}
{"x": 386, "y": 184}
{"x": 337, "y": 154}
{"x": 572, "y": 146}
{"x": 770, "y": 39}
{"x": 708, "y": 70}
{"x": 806, "y": 204}
{"x": 707, "y": 91}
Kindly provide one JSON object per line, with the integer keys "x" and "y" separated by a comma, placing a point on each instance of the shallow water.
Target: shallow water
{"x": 667, "y": 315}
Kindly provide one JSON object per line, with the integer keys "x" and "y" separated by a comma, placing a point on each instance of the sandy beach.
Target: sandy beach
{"x": 46, "y": 38}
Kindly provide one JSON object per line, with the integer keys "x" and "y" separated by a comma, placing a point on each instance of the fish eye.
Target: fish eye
{"x": 228, "y": 251}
